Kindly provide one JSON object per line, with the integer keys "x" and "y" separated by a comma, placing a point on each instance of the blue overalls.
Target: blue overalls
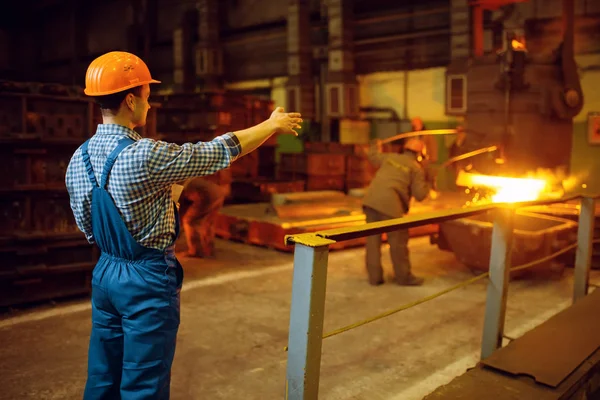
{"x": 135, "y": 304}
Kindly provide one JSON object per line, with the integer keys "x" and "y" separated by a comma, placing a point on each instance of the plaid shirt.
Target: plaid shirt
{"x": 141, "y": 179}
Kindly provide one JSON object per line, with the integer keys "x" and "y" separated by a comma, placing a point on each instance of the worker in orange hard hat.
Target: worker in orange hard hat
{"x": 417, "y": 146}
{"x": 120, "y": 188}
{"x": 399, "y": 178}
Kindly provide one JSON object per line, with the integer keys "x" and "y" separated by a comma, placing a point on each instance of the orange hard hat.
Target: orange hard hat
{"x": 115, "y": 72}
{"x": 416, "y": 145}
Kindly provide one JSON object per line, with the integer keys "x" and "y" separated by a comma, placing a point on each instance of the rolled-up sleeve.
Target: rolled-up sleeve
{"x": 169, "y": 163}
{"x": 232, "y": 143}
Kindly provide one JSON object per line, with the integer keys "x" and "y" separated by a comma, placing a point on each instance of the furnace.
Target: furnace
{"x": 523, "y": 100}
{"x": 519, "y": 110}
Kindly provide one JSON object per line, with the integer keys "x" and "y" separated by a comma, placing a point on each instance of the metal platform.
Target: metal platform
{"x": 266, "y": 224}
{"x": 560, "y": 359}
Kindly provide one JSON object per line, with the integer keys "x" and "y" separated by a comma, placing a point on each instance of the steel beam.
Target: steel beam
{"x": 583, "y": 256}
{"x": 500, "y": 263}
{"x": 306, "y": 318}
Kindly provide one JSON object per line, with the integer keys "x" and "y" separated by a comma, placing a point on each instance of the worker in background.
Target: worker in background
{"x": 457, "y": 147}
{"x": 120, "y": 187}
{"x": 429, "y": 140}
{"x": 399, "y": 178}
{"x": 200, "y": 203}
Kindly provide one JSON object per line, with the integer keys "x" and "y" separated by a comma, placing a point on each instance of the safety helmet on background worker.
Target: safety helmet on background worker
{"x": 115, "y": 72}
{"x": 416, "y": 145}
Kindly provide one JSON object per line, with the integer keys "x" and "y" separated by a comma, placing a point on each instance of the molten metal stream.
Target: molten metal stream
{"x": 506, "y": 189}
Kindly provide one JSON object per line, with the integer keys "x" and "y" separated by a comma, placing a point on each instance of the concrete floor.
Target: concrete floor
{"x": 235, "y": 314}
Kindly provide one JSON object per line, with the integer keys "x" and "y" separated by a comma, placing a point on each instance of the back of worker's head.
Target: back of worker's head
{"x": 120, "y": 84}
{"x": 416, "y": 146}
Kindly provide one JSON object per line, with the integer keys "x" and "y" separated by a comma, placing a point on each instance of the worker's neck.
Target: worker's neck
{"x": 118, "y": 119}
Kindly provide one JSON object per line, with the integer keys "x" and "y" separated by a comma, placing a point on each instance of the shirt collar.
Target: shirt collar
{"x": 117, "y": 130}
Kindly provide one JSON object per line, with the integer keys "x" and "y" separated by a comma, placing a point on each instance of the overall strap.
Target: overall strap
{"x": 88, "y": 163}
{"x": 110, "y": 161}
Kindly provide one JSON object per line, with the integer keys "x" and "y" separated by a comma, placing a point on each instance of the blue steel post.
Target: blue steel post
{"x": 583, "y": 256}
{"x": 306, "y": 318}
{"x": 500, "y": 264}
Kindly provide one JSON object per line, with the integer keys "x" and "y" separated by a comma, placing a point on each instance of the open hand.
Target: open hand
{"x": 285, "y": 122}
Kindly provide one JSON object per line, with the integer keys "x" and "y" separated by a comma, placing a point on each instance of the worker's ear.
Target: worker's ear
{"x": 130, "y": 101}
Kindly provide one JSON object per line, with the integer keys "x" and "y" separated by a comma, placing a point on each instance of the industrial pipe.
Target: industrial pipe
{"x": 402, "y": 15}
{"x": 469, "y": 155}
{"x": 402, "y": 36}
{"x": 281, "y": 31}
{"x": 571, "y": 95}
{"x": 429, "y": 132}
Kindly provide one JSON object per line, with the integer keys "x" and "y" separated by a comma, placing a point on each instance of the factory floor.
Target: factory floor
{"x": 235, "y": 314}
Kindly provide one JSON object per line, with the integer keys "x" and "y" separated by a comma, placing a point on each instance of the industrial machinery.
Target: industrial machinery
{"x": 535, "y": 236}
{"x": 525, "y": 115}
{"x": 527, "y": 111}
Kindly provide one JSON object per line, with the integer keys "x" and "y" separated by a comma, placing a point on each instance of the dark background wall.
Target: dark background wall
{"x": 54, "y": 40}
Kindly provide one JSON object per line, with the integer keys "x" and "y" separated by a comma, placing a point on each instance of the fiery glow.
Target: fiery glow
{"x": 574, "y": 183}
{"x": 508, "y": 189}
{"x": 517, "y": 45}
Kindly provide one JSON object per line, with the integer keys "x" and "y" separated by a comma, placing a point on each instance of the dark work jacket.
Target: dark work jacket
{"x": 399, "y": 177}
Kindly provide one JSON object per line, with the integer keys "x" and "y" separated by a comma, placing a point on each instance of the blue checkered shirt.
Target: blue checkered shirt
{"x": 141, "y": 179}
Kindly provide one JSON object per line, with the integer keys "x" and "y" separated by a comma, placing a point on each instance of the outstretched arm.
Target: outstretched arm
{"x": 279, "y": 122}
{"x": 170, "y": 163}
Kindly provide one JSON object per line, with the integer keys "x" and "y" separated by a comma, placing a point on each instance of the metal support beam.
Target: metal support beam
{"x": 306, "y": 319}
{"x": 583, "y": 256}
{"x": 500, "y": 263}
